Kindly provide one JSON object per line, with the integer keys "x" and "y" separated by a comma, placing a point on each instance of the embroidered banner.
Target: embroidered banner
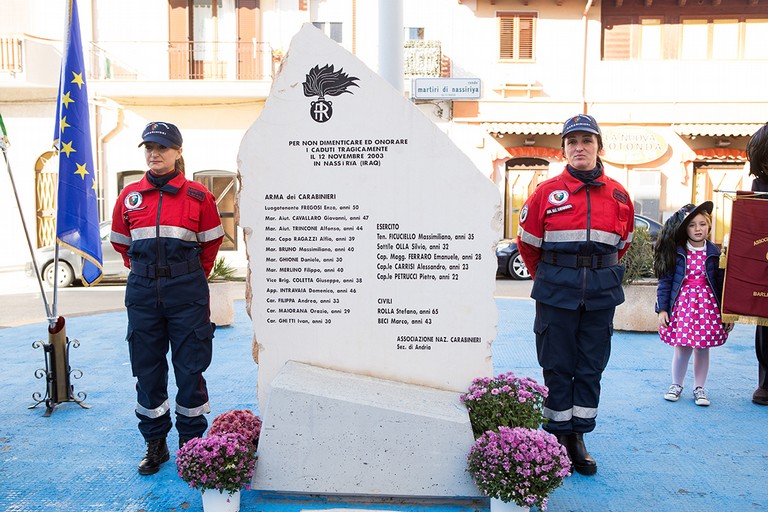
{"x": 745, "y": 292}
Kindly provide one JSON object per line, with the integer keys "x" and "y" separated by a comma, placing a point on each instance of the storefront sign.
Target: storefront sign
{"x": 446, "y": 88}
{"x": 631, "y": 145}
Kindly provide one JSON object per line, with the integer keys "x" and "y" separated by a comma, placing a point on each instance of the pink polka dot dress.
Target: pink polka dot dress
{"x": 695, "y": 318}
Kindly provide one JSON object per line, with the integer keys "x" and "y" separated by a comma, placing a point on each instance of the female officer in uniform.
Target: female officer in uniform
{"x": 574, "y": 229}
{"x": 168, "y": 231}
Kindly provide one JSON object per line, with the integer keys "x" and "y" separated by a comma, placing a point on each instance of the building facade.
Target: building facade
{"x": 676, "y": 86}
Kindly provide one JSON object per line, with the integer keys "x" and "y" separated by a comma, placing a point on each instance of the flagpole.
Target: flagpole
{"x": 4, "y": 143}
{"x": 77, "y": 225}
{"x": 64, "y": 52}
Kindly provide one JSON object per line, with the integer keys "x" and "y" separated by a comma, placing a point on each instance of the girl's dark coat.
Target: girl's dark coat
{"x": 670, "y": 283}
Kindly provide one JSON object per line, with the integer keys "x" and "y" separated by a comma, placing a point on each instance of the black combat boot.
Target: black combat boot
{"x": 582, "y": 461}
{"x": 183, "y": 440}
{"x": 157, "y": 453}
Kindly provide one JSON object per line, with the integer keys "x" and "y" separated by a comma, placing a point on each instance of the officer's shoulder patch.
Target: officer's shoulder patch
{"x": 620, "y": 196}
{"x": 195, "y": 193}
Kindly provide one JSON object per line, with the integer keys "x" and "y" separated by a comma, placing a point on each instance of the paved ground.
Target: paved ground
{"x": 653, "y": 455}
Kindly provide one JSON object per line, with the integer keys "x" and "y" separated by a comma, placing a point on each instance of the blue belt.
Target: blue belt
{"x": 175, "y": 270}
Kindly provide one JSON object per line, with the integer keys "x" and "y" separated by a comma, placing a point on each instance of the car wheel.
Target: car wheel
{"x": 65, "y": 275}
{"x": 516, "y": 267}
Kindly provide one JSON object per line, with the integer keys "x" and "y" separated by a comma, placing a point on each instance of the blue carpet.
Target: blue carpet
{"x": 653, "y": 455}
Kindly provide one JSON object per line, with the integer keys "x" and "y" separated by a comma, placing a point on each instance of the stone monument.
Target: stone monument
{"x": 371, "y": 242}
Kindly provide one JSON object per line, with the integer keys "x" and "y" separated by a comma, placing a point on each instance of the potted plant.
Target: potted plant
{"x": 638, "y": 260}
{"x": 222, "y": 303}
{"x": 242, "y": 422}
{"x": 518, "y": 465}
{"x": 637, "y": 311}
{"x": 515, "y": 463}
{"x": 220, "y": 465}
{"x": 504, "y": 400}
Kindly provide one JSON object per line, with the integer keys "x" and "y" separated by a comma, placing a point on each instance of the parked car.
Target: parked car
{"x": 70, "y": 264}
{"x": 653, "y": 226}
{"x": 510, "y": 263}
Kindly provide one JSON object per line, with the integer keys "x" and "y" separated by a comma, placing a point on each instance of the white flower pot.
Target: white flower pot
{"x": 217, "y": 501}
{"x": 498, "y": 505}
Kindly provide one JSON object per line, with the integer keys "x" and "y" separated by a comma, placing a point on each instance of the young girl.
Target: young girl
{"x": 688, "y": 296}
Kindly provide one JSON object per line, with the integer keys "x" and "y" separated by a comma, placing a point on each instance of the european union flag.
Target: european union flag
{"x": 77, "y": 217}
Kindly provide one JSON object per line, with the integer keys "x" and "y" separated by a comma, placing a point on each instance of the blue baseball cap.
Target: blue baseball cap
{"x": 581, "y": 123}
{"x": 165, "y": 134}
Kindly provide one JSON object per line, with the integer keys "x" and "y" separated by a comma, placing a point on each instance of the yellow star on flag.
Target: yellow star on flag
{"x": 67, "y": 148}
{"x": 78, "y": 79}
{"x": 81, "y": 171}
{"x": 66, "y": 100}
{"x": 94, "y": 185}
{"x": 63, "y": 124}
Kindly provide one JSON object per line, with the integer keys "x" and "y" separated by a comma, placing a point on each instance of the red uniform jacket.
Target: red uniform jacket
{"x": 162, "y": 235}
{"x": 565, "y": 215}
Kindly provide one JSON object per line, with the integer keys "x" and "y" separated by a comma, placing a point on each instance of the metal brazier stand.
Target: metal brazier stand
{"x": 57, "y": 371}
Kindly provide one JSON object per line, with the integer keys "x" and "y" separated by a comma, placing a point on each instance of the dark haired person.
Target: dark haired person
{"x": 573, "y": 231}
{"x": 757, "y": 153}
{"x": 168, "y": 231}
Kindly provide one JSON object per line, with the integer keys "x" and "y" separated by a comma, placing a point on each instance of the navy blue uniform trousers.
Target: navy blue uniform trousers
{"x": 187, "y": 329}
{"x": 761, "y": 350}
{"x": 573, "y": 347}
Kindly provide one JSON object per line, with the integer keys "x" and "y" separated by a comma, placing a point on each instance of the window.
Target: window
{"x": 694, "y": 44}
{"x": 727, "y": 37}
{"x": 650, "y": 38}
{"x": 125, "y": 178}
{"x": 756, "y": 39}
{"x": 646, "y": 186}
{"x": 215, "y": 40}
{"x": 412, "y": 33}
{"x": 699, "y": 30}
{"x": 517, "y": 33}
{"x": 710, "y": 39}
{"x": 617, "y": 39}
{"x": 223, "y": 185}
{"x": 332, "y": 30}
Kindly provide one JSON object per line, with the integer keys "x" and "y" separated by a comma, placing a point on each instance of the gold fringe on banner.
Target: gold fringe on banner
{"x": 743, "y": 319}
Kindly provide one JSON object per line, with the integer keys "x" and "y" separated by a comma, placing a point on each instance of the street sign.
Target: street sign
{"x": 445, "y": 88}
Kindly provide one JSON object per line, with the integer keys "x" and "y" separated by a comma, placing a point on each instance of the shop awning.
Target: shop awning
{"x": 734, "y": 155}
{"x": 524, "y": 128}
{"x": 716, "y": 129}
{"x": 535, "y": 152}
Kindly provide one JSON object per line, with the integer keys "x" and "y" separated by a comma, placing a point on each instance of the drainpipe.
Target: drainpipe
{"x": 101, "y": 140}
{"x": 584, "y": 60}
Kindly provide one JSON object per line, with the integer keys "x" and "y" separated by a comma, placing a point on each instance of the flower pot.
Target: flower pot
{"x": 498, "y": 505}
{"x": 217, "y": 501}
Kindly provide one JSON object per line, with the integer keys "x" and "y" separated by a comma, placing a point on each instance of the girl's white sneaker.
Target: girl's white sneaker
{"x": 673, "y": 393}
{"x": 700, "y": 396}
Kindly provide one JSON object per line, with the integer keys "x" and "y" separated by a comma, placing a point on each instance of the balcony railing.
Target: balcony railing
{"x": 10, "y": 55}
{"x": 182, "y": 60}
{"x": 187, "y": 60}
{"x": 425, "y": 59}
{"x": 33, "y": 59}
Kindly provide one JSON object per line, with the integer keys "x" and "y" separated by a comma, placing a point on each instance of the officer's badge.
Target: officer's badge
{"x": 558, "y": 197}
{"x": 133, "y": 200}
{"x": 523, "y": 214}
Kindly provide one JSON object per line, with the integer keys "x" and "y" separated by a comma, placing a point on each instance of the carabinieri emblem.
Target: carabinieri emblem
{"x": 324, "y": 82}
